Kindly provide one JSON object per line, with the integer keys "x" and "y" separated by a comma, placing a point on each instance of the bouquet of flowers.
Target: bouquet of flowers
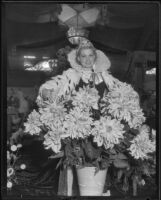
{"x": 85, "y": 130}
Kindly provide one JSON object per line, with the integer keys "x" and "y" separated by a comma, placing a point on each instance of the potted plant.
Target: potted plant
{"x": 91, "y": 133}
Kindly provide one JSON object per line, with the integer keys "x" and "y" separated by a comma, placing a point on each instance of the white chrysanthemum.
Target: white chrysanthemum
{"x": 52, "y": 141}
{"x": 13, "y": 148}
{"x": 141, "y": 144}
{"x": 10, "y": 172}
{"x": 124, "y": 105}
{"x": 86, "y": 97}
{"x": 23, "y": 166}
{"x": 33, "y": 123}
{"x": 137, "y": 118}
{"x": 9, "y": 184}
{"x": 142, "y": 182}
{"x": 77, "y": 123}
{"x": 107, "y": 132}
{"x": 53, "y": 115}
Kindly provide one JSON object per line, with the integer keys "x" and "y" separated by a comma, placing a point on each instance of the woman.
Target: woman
{"x": 89, "y": 66}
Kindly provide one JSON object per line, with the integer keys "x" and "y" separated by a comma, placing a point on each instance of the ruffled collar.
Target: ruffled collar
{"x": 102, "y": 64}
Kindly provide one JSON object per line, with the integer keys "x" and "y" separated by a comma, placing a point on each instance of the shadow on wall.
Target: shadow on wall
{"x": 119, "y": 65}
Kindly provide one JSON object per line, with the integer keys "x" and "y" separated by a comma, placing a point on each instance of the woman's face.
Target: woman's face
{"x": 87, "y": 58}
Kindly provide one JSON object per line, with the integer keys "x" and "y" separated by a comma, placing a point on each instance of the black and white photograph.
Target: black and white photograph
{"x": 79, "y": 99}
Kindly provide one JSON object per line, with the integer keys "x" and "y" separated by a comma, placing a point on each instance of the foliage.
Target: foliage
{"x": 84, "y": 130}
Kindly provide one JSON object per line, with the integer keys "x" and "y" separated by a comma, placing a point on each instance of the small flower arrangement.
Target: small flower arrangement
{"x": 12, "y": 165}
{"x": 85, "y": 130}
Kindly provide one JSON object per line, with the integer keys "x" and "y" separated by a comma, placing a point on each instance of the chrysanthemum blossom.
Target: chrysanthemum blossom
{"x": 77, "y": 123}
{"x": 23, "y": 166}
{"x": 9, "y": 184}
{"x": 32, "y": 126}
{"x": 13, "y": 148}
{"x": 142, "y": 182}
{"x": 137, "y": 119}
{"x": 107, "y": 132}
{"x": 52, "y": 141}
{"x": 52, "y": 115}
{"x": 123, "y": 104}
{"x": 141, "y": 145}
{"x": 86, "y": 98}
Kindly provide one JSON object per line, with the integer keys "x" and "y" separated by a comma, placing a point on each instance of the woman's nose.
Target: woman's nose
{"x": 87, "y": 60}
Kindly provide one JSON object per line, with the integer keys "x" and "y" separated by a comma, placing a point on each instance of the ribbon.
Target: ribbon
{"x": 96, "y": 78}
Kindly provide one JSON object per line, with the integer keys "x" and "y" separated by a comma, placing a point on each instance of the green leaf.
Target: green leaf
{"x": 121, "y": 156}
{"x": 59, "y": 155}
{"x": 105, "y": 164}
{"x": 113, "y": 157}
{"x": 113, "y": 151}
{"x": 118, "y": 163}
{"x": 125, "y": 186}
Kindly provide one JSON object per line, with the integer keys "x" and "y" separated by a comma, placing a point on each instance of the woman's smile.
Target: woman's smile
{"x": 87, "y": 58}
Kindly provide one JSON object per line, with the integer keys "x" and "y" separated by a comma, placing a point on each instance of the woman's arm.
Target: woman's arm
{"x": 58, "y": 87}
